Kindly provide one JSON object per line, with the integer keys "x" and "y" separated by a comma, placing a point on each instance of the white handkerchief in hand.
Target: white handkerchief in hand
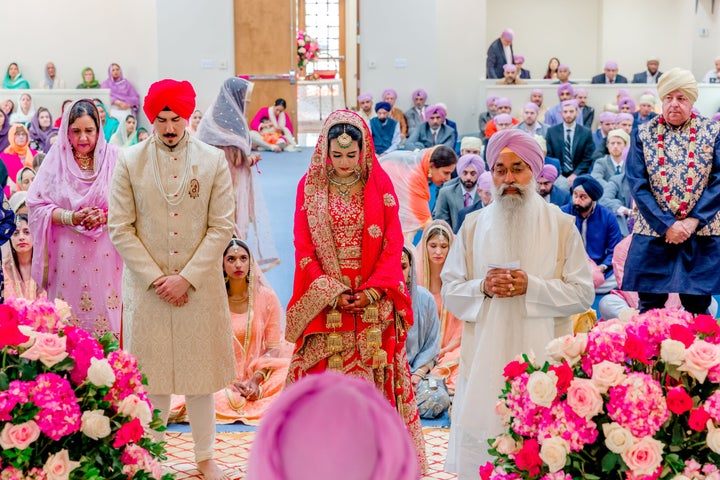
{"x": 514, "y": 265}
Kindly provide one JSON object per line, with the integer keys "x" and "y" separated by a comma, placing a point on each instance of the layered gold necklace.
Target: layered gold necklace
{"x": 85, "y": 162}
{"x": 343, "y": 184}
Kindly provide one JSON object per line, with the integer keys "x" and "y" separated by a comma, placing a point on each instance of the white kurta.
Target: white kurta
{"x": 496, "y": 330}
{"x": 184, "y": 350}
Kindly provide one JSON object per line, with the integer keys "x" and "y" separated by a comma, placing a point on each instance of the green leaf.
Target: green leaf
{"x": 609, "y": 461}
{"x": 4, "y": 381}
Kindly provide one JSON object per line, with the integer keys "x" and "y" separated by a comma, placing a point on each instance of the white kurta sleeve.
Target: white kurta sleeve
{"x": 562, "y": 297}
{"x": 462, "y": 295}
{"x": 122, "y": 215}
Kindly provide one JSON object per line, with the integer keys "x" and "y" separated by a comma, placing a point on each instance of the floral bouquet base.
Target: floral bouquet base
{"x": 71, "y": 407}
{"x": 635, "y": 400}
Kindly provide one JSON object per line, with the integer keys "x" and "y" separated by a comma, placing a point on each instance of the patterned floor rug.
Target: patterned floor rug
{"x": 233, "y": 449}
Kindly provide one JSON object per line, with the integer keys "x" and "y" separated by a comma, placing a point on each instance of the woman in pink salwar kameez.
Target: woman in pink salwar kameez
{"x": 73, "y": 257}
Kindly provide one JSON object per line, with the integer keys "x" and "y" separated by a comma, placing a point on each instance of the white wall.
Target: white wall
{"x": 705, "y": 47}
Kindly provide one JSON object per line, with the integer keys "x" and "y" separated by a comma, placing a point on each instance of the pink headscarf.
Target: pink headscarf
{"x": 523, "y": 144}
{"x": 121, "y": 89}
{"x": 330, "y": 426}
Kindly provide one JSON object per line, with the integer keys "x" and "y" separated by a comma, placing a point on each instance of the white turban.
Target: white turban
{"x": 678, "y": 79}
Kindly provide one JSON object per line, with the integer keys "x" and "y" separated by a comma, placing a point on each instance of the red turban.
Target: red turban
{"x": 177, "y": 96}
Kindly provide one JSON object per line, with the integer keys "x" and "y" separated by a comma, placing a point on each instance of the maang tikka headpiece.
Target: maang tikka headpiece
{"x": 344, "y": 140}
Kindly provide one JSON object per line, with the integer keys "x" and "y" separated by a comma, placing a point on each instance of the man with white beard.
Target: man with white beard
{"x": 514, "y": 275}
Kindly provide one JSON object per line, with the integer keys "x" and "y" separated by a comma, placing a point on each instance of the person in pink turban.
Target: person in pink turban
{"x": 610, "y": 74}
{"x": 553, "y": 116}
{"x": 510, "y": 76}
{"x": 487, "y": 115}
{"x": 499, "y": 53}
{"x": 416, "y": 114}
{"x": 389, "y": 95}
{"x": 514, "y": 275}
{"x": 330, "y": 426}
{"x": 547, "y": 189}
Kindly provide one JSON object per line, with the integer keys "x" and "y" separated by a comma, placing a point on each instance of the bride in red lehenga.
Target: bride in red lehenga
{"x": 350, "y": 310}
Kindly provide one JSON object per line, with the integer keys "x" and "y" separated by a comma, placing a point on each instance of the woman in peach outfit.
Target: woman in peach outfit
{"x": 262, "y": 355}
{"x": 432, "y": 251}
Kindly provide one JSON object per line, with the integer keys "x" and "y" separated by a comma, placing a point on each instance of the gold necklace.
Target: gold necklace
{"x": 85, "y": 162}
{"x": 343, "y": 185}
{"x": 239, "y": 300}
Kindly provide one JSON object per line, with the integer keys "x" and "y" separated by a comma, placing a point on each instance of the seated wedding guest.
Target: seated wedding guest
{"x": 471, "y": 146}
{"x": 651, "y": 73}
{"x": 4, "y": 130}
{"x": 51, "y": 80}
{"x": 41, "y": 130}
{"x": 597, "y": 226}
{"x": 530, "y": 123}
{"x": 262, "y": 355}
{"x": 606, "y": 122}
{"x": 423, "y": 342}
{"x": 17, "y": 263}
{"x": 487, "y": 115}
{"x": 537, "y": 97}
{"x": 519, "y": 60}
{"x": 609, "y": 75}
{"x": 65, "y": 103}
{"x": 713, "y": 75}
{"x": 554, "y": 115}
{"x": 109, "y": 124}
{"x": 510, "y": 76}
{"x": 626, "y": 105}
{"x": 390, "y": 96}
{"x": 546, "y": 188}
{"x": 25, "y": 178}
{"x": 124, "y": 99}
{"x": 280, "y": 121}
{"x": 503, "y": 121}
{"x": 8, "y": 107}
{"x": 502, "y": 105}
{"x": 365, "y": 107}
{"x": 431, "y": 253}
{"x": 415, "y": 115}
{"x": 551, "y": 72}
{"x": 563, "y": 75}
{"x": 16, "y": 156}
{"x": 385, "y": 130}
{"x": 586, "y": 113}
{"x": 25, "y": 111}
{"x": 624, "y": 121}
{"x": 126, "y": 135}
{"x": 416, "y": 177}
{"x": 14, "y": 79}
{"x": 361, "y": 435}
{"x": 18, "y": 202}
{"x": 614, "y": 162}
{"x": 434, "y": 131}
{"x": 460, "y": 192}
{"x": 484, "y": 193}
{"x": 617, "y": 197}
{"x": 267, "y": 137}
{"x": 194, "y": 122}
{"x": 450, "y": 124}
{"x": 88, "y": 79}
{"x": 645, "y": 111}
{"x": 37, "y": 160}
{"x": 142, "y": 134}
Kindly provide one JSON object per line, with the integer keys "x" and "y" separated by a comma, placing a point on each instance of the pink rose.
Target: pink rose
{"x": 59, "y": 466}
{"x": 502, "y": 410}
{"x": 48, "y": 348}
{"x": 133, "y": 407}
{"x": 644, "y": 456}
{"x": 700, "y": 357}
{"x": 19, "y": 436}
{"x": 584, "y": 398}
{"x": 506, "y": 444}
{"x": 607, "y": 374}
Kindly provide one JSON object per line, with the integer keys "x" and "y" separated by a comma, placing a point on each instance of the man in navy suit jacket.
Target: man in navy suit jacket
{"x": 650, "y": 75}
{"x": 610, "y": 75}
{"x": 582, "y": 145}
{"x": 496, "y": 55}
{"x": 522, "y": 73}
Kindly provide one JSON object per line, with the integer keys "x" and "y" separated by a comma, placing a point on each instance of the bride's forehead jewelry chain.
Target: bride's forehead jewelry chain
{"x": 344, "y": 140}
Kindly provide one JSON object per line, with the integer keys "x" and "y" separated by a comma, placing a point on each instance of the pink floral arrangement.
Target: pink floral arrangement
{"x": 307, "y": 49}
{"x": 635, "y": 401}
{"x": 71, "y": 406}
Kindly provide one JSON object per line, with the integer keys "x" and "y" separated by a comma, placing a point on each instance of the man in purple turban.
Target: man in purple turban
{"x": 546, "y": 186}
{"x": 514, "y": 275}
{"x": 510, "y": 76}
{"x": 415, "y": 115}
{"x": 365, "y": 107}
{"x": 586, "y": 113}
{"x": 459, "y": 192}
{"x": 433, "y": 131}
{"x": 487, "y": 115}
{"x": 609, "y": 75}
{"x": 484, "y": 193}
{"x": 499, "y": 53}
{"x": 554, "y": 116}
{"x": 519, "y": 60}
{"x": 530, "y": 123}
{"x": 570, "y": 143}
{"x": 563, "y": 74}
{"x": 537, "y": 97}
{"x": 390, "y": 96}
{"x": 504, "y": 106}
{"x": 606, "y": 122}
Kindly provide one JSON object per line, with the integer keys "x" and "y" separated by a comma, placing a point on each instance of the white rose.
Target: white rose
{"x": 569, "y": 348}
{"x": 627, "y": 314}
{"x": 553, "y": 452}
{"x": 672, "y": 352}
{"x": 617, "y": 438}
{"x": 100, "y": 373}
{"x": 132, "y": 406}
{"x": 713, "y": 437}
{"x": 506, "y": 444}
{"x": 607, "y": 374}
{"x": 95, "y": 424}
{"x": 542, "y": 388}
